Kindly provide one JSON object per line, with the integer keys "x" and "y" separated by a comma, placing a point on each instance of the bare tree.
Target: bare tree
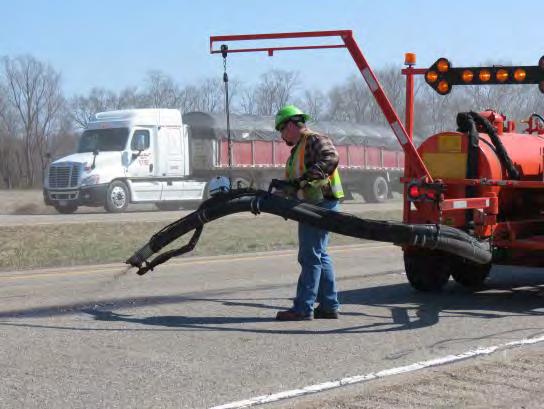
{"x": 350, "y": 101}
{"x": 274, "y": 90}
{"x": 33, "y": 89}
{"x": 314, "y": 103}
{"x": 210, "y": 95}
{"x": 248, "y": 101}
{"x": 161, "y": 91}
{"x": 9, "y": 143}
{"x": 64, "y": 140}
{"x": 393, "y": 83}
{"x": 129, "y": 97}
{"x": 84, "y": 107}
{"x": 100, "y": 99}
{"x": 188, "y": 98}
{"x": 207, "y": 95}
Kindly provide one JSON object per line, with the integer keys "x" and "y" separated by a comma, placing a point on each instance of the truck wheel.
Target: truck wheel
{"x": 470, "y": 275}
{"x": 427, "y": 270}
{"x": 66, "y": 209}
{"x": 348, "y": 193}
{"x": 166, "y": 206}
{"x": 377, "y": 191}
{"x": 117, "y": 197}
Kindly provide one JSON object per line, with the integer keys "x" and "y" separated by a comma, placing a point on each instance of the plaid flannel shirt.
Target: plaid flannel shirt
{"x": 320, "y": 158}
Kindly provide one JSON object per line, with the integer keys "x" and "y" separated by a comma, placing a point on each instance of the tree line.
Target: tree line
{"x": 38, "y": 121}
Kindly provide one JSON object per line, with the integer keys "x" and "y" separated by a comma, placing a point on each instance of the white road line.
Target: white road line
{"x": 259, "y": 400}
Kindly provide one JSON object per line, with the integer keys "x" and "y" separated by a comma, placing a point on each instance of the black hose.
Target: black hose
{"x": 467, "y": 121}
{"x": 430, "y": 236}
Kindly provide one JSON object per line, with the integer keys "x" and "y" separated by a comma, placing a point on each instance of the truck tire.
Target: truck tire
{"x": 427, "y": 271}
{"x": 470, "y": 275}
{"x": 376, "y": 191}
{"x": 66, "y": 209}
{"x": 348, "y": 192}
{"x": 117, "y": 197}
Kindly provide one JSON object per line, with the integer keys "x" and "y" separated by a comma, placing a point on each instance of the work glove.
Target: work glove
{"x": 300, "y": 183}
{"x": 284, "y": 188}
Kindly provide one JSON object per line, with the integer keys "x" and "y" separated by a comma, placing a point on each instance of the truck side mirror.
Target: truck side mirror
{"x": 125, "y": 158}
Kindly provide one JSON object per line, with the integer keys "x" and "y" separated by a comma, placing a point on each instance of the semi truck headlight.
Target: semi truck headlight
{"x": 90, "y": 180}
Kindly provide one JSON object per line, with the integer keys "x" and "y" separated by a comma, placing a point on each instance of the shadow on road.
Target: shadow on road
{"x": 507, "y": 294}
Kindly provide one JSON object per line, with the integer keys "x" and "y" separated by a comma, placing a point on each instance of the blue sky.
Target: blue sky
{"x": 113, "y": 44}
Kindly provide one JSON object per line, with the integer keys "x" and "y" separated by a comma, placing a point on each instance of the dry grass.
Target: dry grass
{"x": 24, "y": 247}
{"x": 23, "y": 202}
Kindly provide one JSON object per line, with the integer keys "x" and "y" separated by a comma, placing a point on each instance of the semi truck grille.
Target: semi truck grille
{"x": 64, "y": 175}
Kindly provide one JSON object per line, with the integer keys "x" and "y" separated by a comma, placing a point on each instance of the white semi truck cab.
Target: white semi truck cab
{"x": 128, "y": 156}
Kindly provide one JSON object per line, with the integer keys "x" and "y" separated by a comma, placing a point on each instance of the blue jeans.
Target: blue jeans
{"x": 316, "y": 281}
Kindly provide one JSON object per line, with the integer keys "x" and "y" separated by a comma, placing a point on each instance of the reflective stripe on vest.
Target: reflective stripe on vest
{"x": 296, "y": 167}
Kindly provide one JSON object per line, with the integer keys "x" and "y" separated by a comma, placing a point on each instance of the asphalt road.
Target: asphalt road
{"x": 200, "y": 332}
{"x": 151, "y": 215}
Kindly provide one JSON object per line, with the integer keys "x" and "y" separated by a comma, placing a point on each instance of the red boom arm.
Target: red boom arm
{"x": 349, "y": 42}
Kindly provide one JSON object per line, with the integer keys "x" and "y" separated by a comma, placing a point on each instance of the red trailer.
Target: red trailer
{"x": 371, "y": 161}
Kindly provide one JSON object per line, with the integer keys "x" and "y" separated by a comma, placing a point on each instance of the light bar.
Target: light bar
{"x": 441, "y": 76}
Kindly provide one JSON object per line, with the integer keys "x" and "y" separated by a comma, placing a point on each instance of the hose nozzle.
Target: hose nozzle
{"x": 140, "y": 257}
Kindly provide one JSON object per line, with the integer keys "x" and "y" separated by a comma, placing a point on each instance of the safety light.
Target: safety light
{"x": 520, "y": 74}
{"x": 443, "y": 87}
{"x": 430, "y": 194}
{"x": 414, "y": 192}
{"x": 501, "y": 75}
{"x": 443, "y": 77}
{"x": 484, "y": 75}
{"x": 443, "y": 65}
{"x": 467, "y": 76}
{"x": 431, "y": 76}
{"x": 409, "y": 59}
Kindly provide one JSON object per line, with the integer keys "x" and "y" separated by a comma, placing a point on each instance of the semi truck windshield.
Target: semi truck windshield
{"x": 112, "y": 139}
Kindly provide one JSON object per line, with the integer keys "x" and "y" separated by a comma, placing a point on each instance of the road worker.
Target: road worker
{"x": 312, "y": 168}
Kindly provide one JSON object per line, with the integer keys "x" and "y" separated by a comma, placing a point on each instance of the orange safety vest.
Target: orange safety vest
{"x": 312, "y": 192}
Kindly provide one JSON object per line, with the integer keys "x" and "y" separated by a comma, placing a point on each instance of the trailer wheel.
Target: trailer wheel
{"x": 66, "y": 209}
{"x": 470, "y": 275}
{"x": 427, "y": 270}
{"x": 377, "y": 191}
{"x": 117, "y": 197}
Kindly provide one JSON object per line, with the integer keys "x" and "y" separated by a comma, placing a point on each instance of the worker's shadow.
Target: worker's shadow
{"x": 505, "y": 295}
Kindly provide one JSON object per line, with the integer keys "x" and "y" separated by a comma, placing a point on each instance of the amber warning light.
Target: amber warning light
{"x": 409, "y": 59}
{"x": 442, "y": 76}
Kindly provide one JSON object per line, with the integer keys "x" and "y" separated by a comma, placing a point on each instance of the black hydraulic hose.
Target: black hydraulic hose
{"x": 430, "y": 236}
{"x": 467, "y": 121}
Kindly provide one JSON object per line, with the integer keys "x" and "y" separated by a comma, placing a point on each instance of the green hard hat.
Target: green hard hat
{"x": 287, "y": 112}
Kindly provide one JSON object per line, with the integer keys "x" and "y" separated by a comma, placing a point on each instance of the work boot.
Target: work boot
{"x": 331, "y": 315}
{"x": 290, "y": 315}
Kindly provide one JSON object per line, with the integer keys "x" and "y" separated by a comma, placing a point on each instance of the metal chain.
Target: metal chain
{"x": 224, "y": 50}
